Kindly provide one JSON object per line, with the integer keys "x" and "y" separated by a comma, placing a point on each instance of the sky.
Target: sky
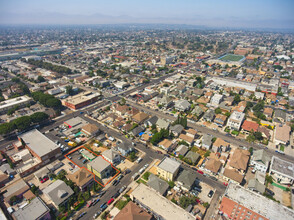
{"x": 211, "y": 13}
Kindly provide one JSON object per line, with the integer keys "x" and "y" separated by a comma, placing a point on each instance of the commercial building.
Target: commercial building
{"x": 282, "y": 171}
{"x": 100, "y": 167}
{"x": 88, "y": 155}
{"x": 36, "y": 209}
{"x": 235, "y": 120}
{"x": 16, "y": 188}
{"x": 81, "y": 100}
{"x": 11, "y": 103}
{"x": 40, "y": 146}
{"x": 168, "y": 168}
{"x": 233, "y": 83}
{"x": 158, "y": 205}
{"x": 241, "y": 203}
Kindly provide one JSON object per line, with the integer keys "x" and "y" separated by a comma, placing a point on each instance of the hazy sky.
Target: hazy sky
{"x": 226, "y": 13}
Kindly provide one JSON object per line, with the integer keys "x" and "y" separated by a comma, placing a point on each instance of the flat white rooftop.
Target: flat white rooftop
{"x": 258, "y": 203}
{"x": 159, "y": 204}
{"x": 14, "y": 102}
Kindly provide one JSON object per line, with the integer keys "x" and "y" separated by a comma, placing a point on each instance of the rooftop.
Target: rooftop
{"x": 99, "y": 164}
{"x": 282, "y": 166}
{"x": 258, "y": 203}
{"x": 15, "y": 101}
{"x": 159, "y": 204}
{"x": 34, "y": 210}
{"x": 38, "y": 142}
{"x": 169, "y": 165}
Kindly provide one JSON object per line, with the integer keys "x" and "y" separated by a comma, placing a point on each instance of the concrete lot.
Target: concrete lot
{"x": 204, "y": 192}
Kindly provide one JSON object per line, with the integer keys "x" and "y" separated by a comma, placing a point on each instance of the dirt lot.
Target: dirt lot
{"x": 283, "y": 196}
{"x": 126, "y": 164}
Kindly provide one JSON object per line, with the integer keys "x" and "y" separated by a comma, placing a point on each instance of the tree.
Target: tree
{"x": 132, "y": 155}
{"x": 251, "y": 150}
{"x": 146, "y": 175}
{"x": 39, "y": 117}
{"x": 6, "y": 128}
{"x": 15, "y": 79}
{"x": 258, "y": 135}
{"x": 22, "y": 123}
{"x": 207, "y": 153}
{"x": 41, "y": 79}
{"x": 218, "y": 111}
{"x": 69, "y": 90}
{"x": 237, "y": 99}
{"x": 53, "y": 103}
{"x": 185, "y": 201}
{"x": 171, "y": 184}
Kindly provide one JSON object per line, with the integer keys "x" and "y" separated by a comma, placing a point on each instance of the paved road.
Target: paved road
{"x": 205, "y": 130}
{"x": 150, "y": 155}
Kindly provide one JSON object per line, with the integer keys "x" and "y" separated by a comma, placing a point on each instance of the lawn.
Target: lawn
{"x": 231, "y": 57}
{"x": 282, "y": 148}
{"x": 235, "y": 132}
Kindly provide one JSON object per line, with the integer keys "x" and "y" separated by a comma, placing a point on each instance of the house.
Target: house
{"x": 182, "y": 105}
{"x": 162, "y": 124}
{"x": 120, "y": 109}
{"x": 282, "y": 134}
{"x": 220, "y": 120}
{"x": 209, "y": 115}
{"x": 216, "y": 100}
{"x": 193, "y": 157}
{"x": 282, "y": 171}
{"x": 181, "y": 150}
{"x": 191, "y": 132}
{"x": 140, "y": 117}
{"x": 100, "y": 167}
{"x": 90, "y": 130}
{"x": 280, "y": 116}
{"x": 111, "y": 156}
{"x": 259, "y": 95}
{"x": 213, "y": 165}
{"x": 255, "y": 185}
{"x": 132, "y": 211}
{"x": 176, "y": 130}
{"x": 198, "y": 111}
{"x": 260, "y": 160}
{"x": 125, "y": 148}
{"x": 233, "y": 175}
{"x": 165, "y": 144}
{"x": 137, "y": 130}
{"x": 36, "y": 209}
{"x": 160, "y": 185}
{"x": 58, "y": 193}
{"x": 239, "y": 160}
{"x": 151, "y": 121}
{"x": 264, "y": 131}
{"x": 235, "y": 120}
{"x": 268, "y": 112}
{"x": 4, "y": 178}
{"x": 249, "y": 126}
{"x": 187, "y": 139}
{"x": 207, "y": 141}
{"x": 16, "y": 188}
{"x": 220, "y": 145}
{"x": 168, "y": 168}
{"x": 82, "y": 178}
{"x": 186, "y": 180}
{"x": 166, "y": 102}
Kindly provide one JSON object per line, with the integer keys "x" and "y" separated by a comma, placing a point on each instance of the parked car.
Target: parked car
{"x": 84, "y": 161}
{"x": 116, "y": 195}
{"x": 122, "y": 189}
{"x": 269, "y": 192}
{"x": 210, "y": 194}
{"x": 127, "y": 171}
{"x": 199, "y": 171}
{"x": 96, "y": 214}
{"x": 89, "y": 203}
{"x": 95, "y": 201}
{"x": 102, "y": 193}
{"x": 120, "y": 177}
{"x": 114, "y": 182}
{"x": 110, "y": 201}
{"x": 44, "y": 179}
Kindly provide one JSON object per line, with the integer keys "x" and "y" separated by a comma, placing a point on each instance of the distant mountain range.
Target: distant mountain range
{"x": 62, "y": 19}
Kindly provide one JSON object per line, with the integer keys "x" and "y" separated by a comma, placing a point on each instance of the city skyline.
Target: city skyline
{"x": 261, "y": 14}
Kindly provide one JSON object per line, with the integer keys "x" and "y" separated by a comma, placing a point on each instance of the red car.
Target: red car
{"x": 225, "y": 183}
{"x": 199, "y": 171}
{"x": 110, "y": 201}
{"x": 44, "y": 179}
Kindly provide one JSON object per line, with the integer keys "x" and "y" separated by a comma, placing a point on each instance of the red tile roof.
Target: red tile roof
{"x": 249, "y": 126}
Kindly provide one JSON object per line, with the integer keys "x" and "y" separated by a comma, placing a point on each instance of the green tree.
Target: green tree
{"x": 41, "y": 79}
{"x": 218, "y": 111}
{"x": 171, "y": 184}
{"x": 69, "y": 90}
{"x": 185, "y": 201}
{"x": 22, "y": 123}
{"x": 237, "y": 99}
{"x": 39, "y": 117}
{"x": 207, "y": 153}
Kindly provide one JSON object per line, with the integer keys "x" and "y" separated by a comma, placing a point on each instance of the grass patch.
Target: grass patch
{"x": 146, "y": 176}
{"x": 235, "y": 132}
{"x": 121, "y": 204}
{"x": 174, "y": 112}
{"x": 282, "y": 148}
{"x": 141, "y": 181}
{"x": 231, "y": 57}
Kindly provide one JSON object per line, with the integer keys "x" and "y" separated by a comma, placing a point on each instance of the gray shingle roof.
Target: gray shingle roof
{"x": 158, "y": 184}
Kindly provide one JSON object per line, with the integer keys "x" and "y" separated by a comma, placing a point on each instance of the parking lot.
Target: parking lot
{"x": 205, "y": 189}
